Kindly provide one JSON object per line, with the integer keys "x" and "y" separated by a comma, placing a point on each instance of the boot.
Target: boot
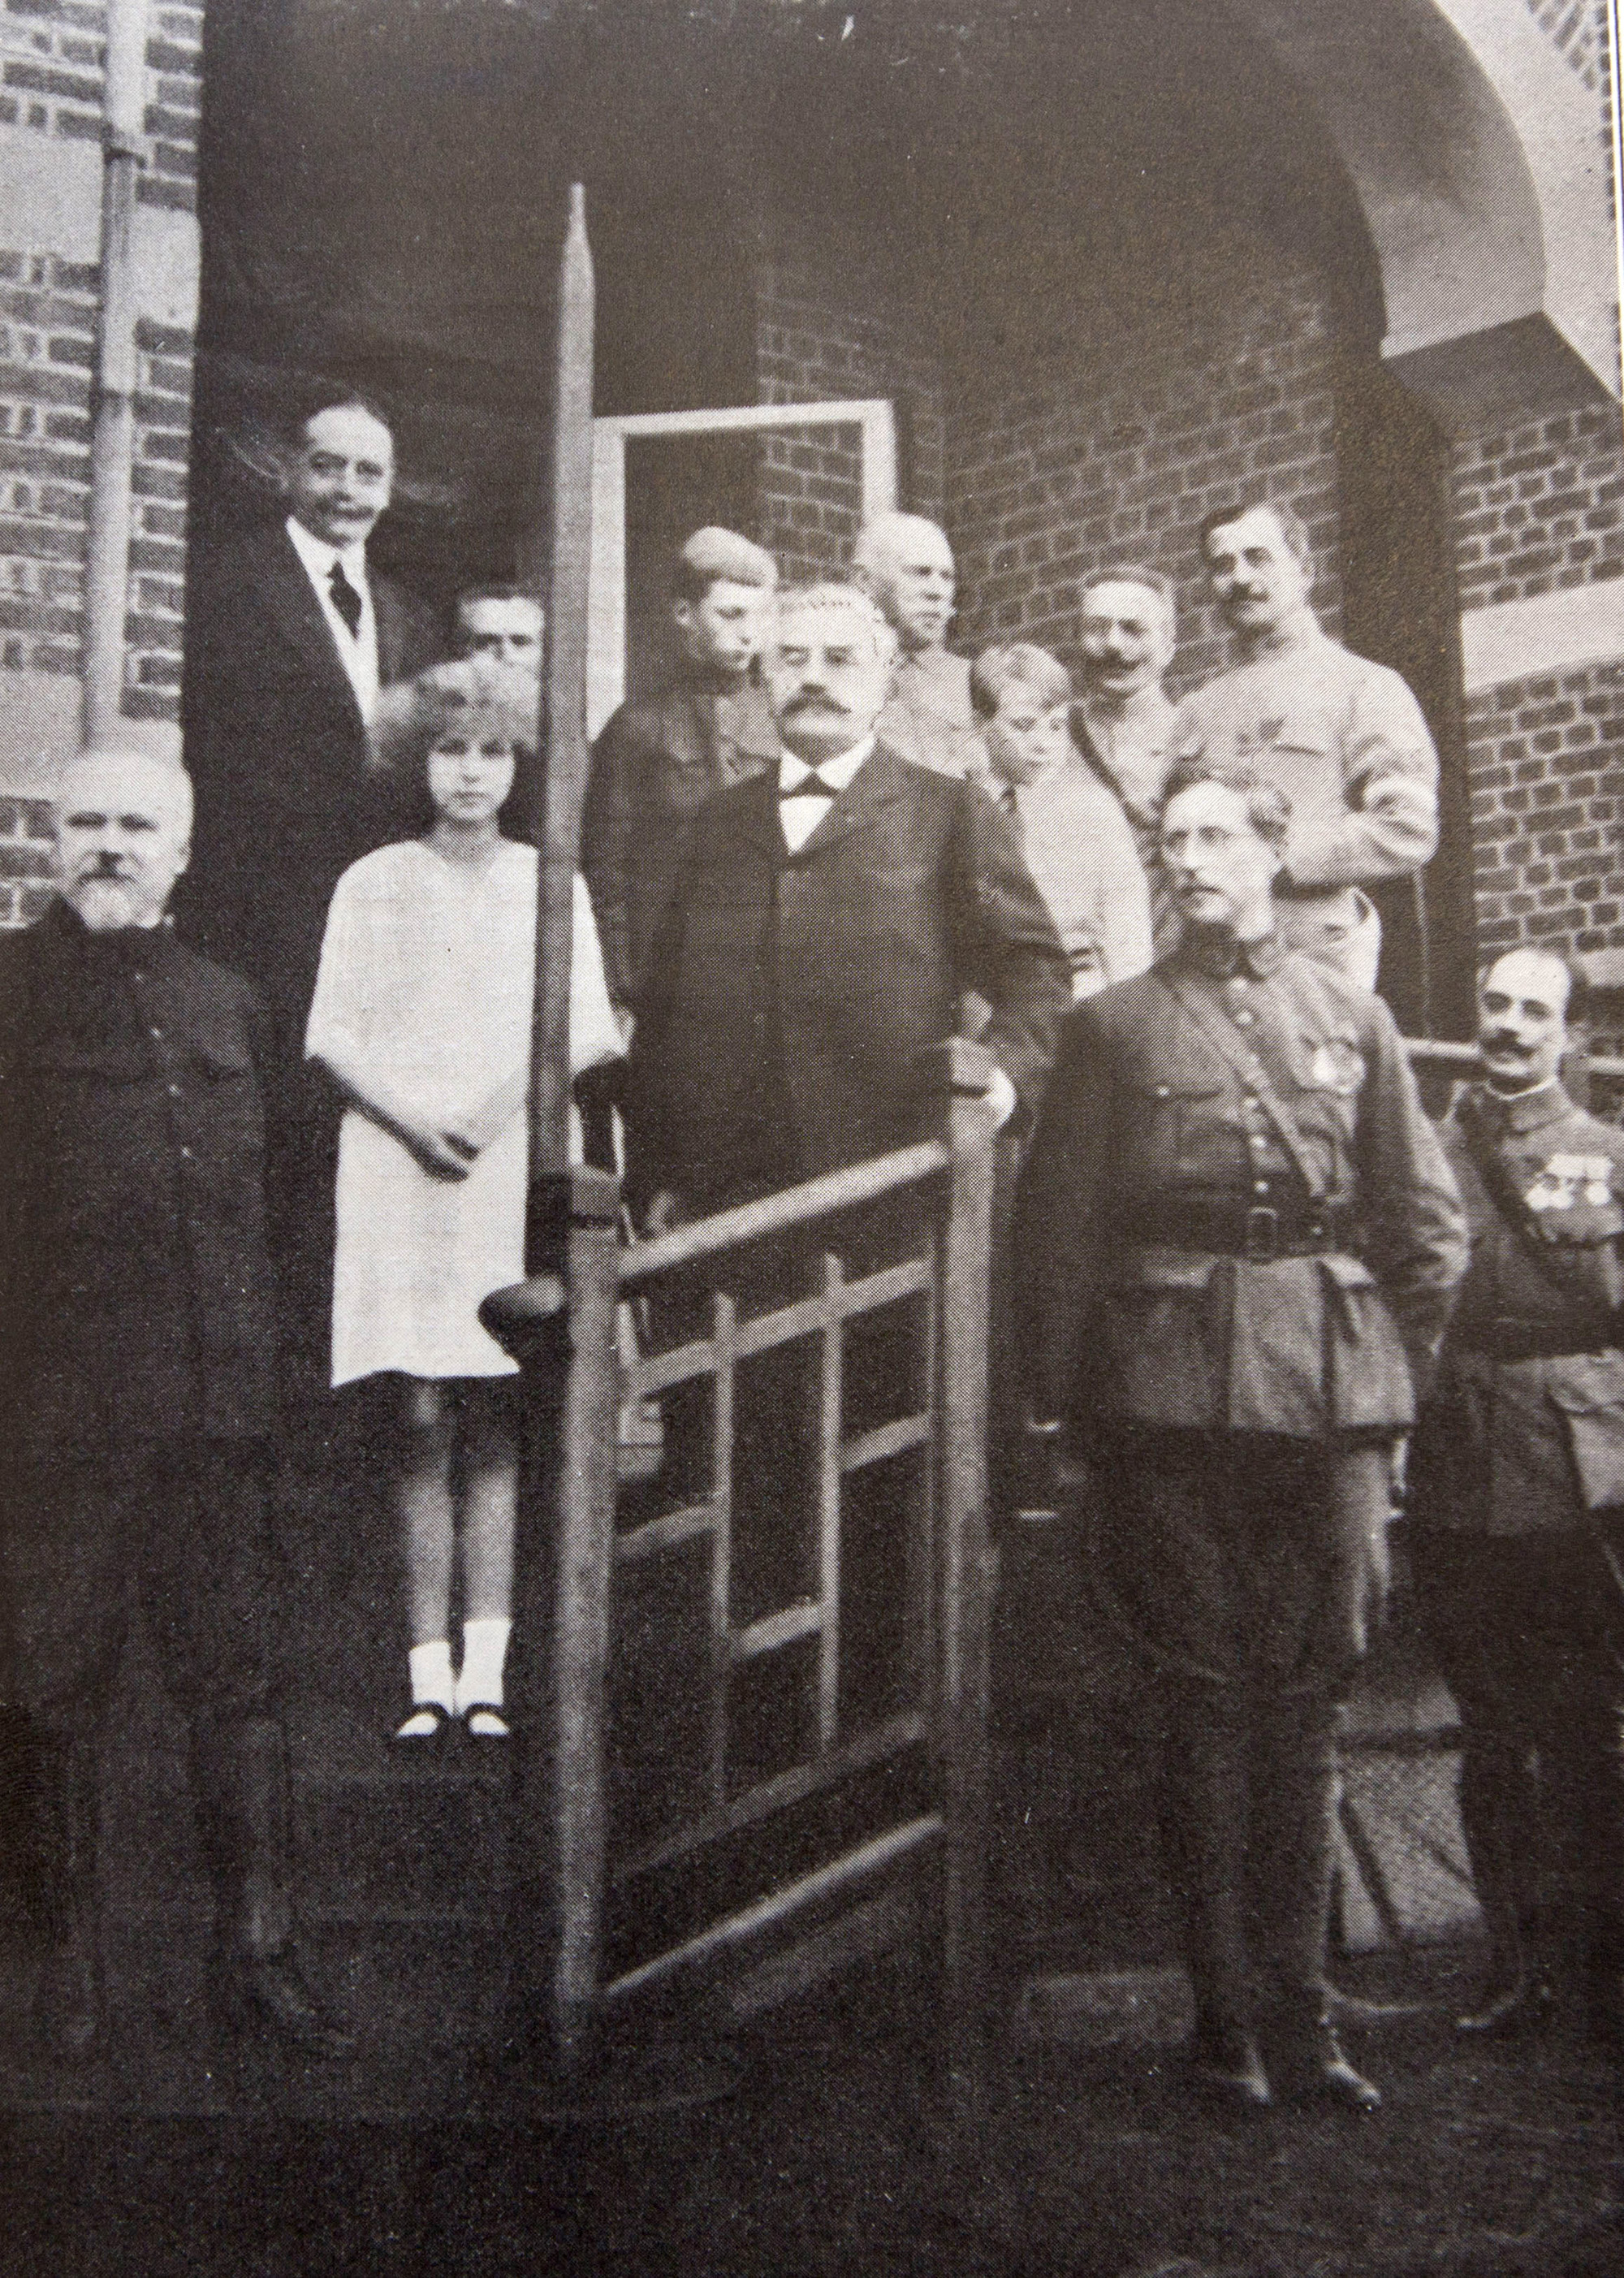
{"x": 68, "y": 1996}
{"x": 259, "y": 1982}
{"x": 1501, "y": 1821}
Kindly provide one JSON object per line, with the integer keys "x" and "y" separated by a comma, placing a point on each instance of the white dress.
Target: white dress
{"x": 426, "y": 978}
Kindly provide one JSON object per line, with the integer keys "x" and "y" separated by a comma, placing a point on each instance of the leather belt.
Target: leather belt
{"x": 1261, "y": 1232}
{"x": 1506, "y": 1339}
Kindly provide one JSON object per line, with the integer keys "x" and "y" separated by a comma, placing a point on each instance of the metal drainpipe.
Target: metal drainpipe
{"x": 112, "y": 444}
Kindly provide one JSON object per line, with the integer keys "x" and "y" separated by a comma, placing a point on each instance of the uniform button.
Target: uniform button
{"x": 174, "y": 1092}
{"x": 185, "y": 1154}
{"x": 157, "y": 1034}
{"x": 1243, "y": 1018}
{"x": 1260, "y": 1185}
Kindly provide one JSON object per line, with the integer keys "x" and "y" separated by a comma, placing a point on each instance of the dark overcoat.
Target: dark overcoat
{"x": 135, "y": 1298}
{"x": 287, "y": 795}
{"x": 797, "y": 991}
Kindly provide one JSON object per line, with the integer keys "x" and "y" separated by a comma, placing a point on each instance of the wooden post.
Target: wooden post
{"x": 963, "y": 1071}
{"x": 564, "y": 754}
{"x": 571, "y": 1388}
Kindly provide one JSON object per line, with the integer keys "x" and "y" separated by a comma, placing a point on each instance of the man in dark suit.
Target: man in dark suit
{"x": 290, "y": 638}
{"x": 830, "y": 914}
{"x": 658, "y": 760}
{"x": 139, "y": 1402}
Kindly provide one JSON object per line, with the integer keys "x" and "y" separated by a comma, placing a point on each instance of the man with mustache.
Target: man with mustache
{"x": 1518, "y": 1503}
{"x": 1236, "y": 1241}
{"x": 829, "y": 914}
{"x": 290, "y": 636}
{"x": 1344, "y": 738}
{"x": 905, "y": 565}
{"x": 1127, "y": 632}
{"x": 139, "y": 1376}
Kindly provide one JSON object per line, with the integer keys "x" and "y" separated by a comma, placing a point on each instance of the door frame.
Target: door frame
{"x": 605, "y": 637}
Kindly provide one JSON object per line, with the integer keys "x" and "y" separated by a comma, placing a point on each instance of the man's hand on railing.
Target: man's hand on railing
{"x": 662, "y": 1214}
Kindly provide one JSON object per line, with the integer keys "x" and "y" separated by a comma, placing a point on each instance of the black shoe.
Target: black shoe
{"x": 1314, "y": 2071}
{"x": 1507, "y": 2010}
{"x": 267, "y": 1993}
{"x": 1226, "y": 2067}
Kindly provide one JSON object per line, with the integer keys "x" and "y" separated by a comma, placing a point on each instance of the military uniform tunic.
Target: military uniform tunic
{"x": 1519, "y": 1579}
{"x": 140, "y": 1350}
{"x": 1346, "y": 742}
{"x": 1234, "y": 1335}
{"x": 1151, "y": 1136}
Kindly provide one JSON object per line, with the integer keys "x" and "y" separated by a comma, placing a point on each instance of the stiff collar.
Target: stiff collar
{"x": 839, "y": 772}
{"x": 1214, "y": 950}
{"x": 318, "y": 557}
{"x": 1517, "y": 1111}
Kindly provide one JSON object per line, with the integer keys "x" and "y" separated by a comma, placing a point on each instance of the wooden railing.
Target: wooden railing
{"x": 663, "y": 1848}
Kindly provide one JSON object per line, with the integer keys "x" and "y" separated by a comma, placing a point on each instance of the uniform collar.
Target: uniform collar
{"x": 1517, "y": 1111}
{"x": 1215, "y": 952}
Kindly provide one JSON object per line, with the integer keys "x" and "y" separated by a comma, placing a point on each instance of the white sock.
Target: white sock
{"x": 431, "y": 1677}
{"x": 485, "y": 1649}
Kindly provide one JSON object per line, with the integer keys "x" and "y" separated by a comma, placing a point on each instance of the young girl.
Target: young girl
{"x": 422, "y": 1015}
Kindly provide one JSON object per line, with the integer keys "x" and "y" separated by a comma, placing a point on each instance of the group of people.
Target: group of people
{"x": 1250, "y": 1273}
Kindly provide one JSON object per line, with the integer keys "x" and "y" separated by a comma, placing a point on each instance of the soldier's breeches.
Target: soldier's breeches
{"x": 1221, "y": 1557}
{"x": 1530, "y": 1632}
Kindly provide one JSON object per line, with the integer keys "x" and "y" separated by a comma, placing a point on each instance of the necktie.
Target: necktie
{"x": 345, "y": 600}
{"x": 812, "y": 785}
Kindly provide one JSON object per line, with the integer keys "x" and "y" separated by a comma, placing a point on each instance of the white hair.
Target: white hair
{"x": 830, "y": 595}
{"x": 175, "y": 782}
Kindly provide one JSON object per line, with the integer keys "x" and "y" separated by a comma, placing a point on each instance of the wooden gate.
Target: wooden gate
{"x": 738, "y": 1767}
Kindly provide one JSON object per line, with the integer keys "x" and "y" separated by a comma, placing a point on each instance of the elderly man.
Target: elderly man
{"x": 1076, "y": 841}
{"x": 502, "y": 621}
{"x": 658, "y": 760}
{"x": 1344, "y": 739}
{"x": 138, "y": 1371}
{"x": 905, "y": 564}
{"x": 1518, "y": 1503}
{"x": 1127, "y": 633}
{"x": 1237, "y": 1238}
{"x": 828, "y": 916}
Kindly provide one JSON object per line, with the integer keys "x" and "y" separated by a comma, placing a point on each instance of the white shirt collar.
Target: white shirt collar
{"x": 318, "y": 557}
{"x": 839, "y": 772}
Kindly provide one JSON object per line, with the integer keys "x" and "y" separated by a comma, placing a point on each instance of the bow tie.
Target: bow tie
{"x": 810, "y": 784}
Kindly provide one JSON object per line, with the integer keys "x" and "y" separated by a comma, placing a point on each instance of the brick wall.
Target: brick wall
{"x": 51, "y": 87}
{"x": 829, "y": 328}
{"x": 1539, "y": 507}
{"x": 25, "y": 848}
{"x": 1579, "y": 29}
{"x": 1114, "y": 450}
{"x": 1539, "y": 510}
{"x": 47, "y": 345}
{"x": 1547, "y": 774}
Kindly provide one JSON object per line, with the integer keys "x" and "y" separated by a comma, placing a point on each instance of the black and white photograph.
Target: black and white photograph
{"x": 811, "y": 1139}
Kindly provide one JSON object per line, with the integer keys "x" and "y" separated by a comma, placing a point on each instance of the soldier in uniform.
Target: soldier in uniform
{"x": 905, "y": 564}
{"x": 138, "y": 1368}
{"x": 1344, "y": 738}
{"x": 659, "y": 760}
{"x": 1238, "y": 1237}
{"x": 1518, "y": 1500}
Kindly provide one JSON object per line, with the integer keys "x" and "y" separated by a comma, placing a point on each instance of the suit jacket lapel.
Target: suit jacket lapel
{"x": 298, "y": 616}
{"x": 877, "y": 784}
